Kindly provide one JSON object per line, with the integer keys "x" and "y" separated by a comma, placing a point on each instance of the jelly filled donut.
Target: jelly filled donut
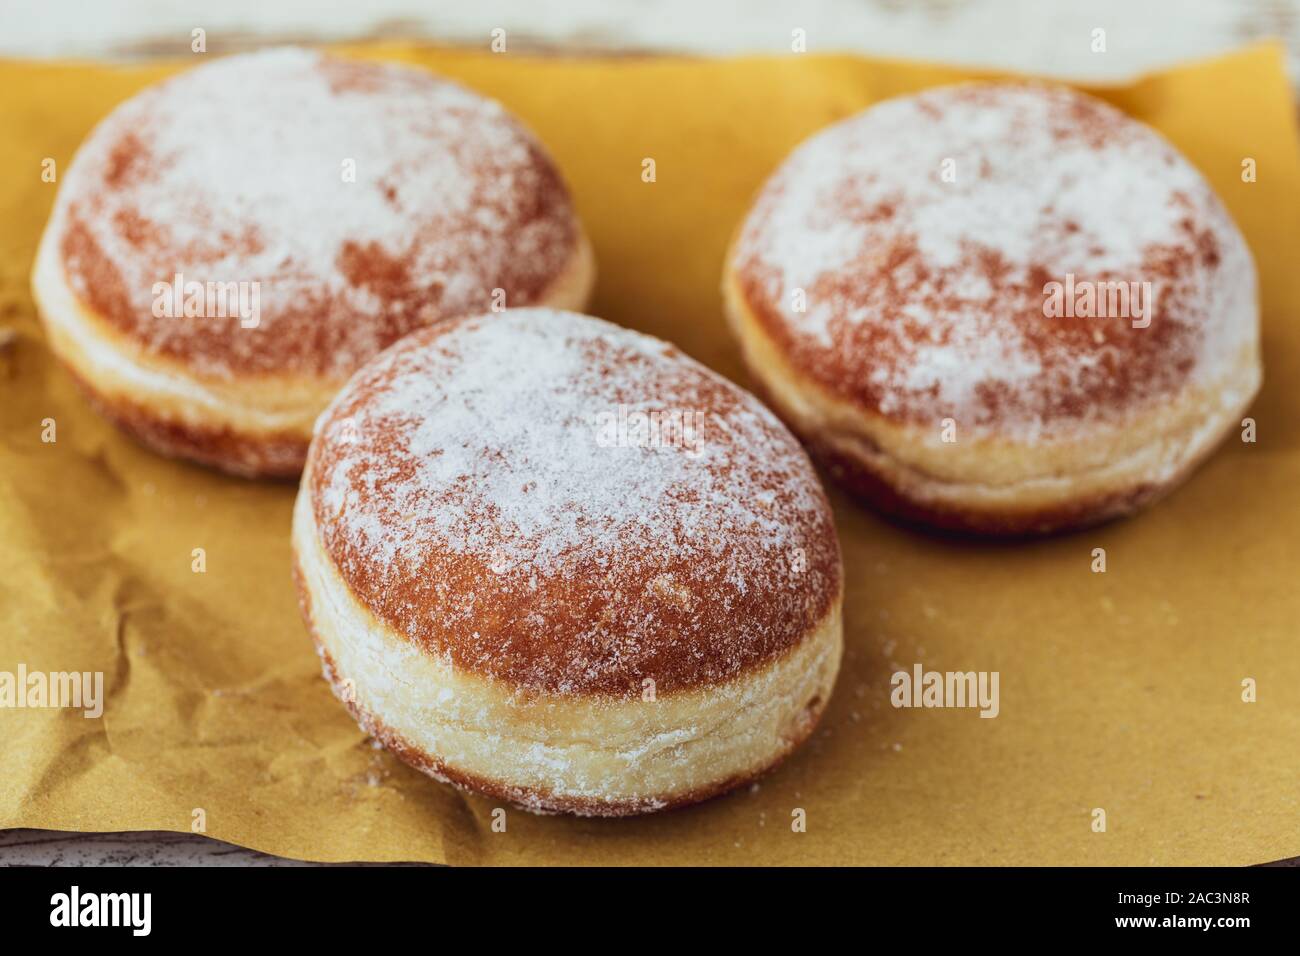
{"x": 560, "y": 563}
{"x": 230, "y": 245}
{"x": 997, "y": 308}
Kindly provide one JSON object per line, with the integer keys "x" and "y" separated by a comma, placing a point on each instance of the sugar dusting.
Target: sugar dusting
{"x": 464, "y": 491}
{"x": 237, "y": 172}
{"x": 925, "y": 296}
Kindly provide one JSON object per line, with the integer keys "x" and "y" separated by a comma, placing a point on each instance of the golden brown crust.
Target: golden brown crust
{"x": 156, "y": 215}
{"x": 452, "y": 203}
{"x": 463, "y": 498}
{"x": 914, "y": 299}
{"x": 1041, "y": 340}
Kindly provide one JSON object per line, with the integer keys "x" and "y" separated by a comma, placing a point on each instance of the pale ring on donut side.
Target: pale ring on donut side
{"x": 987, "y": 484}
{"x": 248, "y": 426}
{"x": 618, "y": 757}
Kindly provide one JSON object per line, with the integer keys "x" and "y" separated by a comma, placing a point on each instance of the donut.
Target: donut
{"x": 559, "y": 563}
{"x": 229, "y": 245}
{"x": 1000, "y": 309}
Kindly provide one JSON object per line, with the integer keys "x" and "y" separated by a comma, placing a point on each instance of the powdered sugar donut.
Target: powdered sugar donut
{"x": 998, "y": 308}
{"x": 558, "y": 562}
{"x": 230, "y": 245}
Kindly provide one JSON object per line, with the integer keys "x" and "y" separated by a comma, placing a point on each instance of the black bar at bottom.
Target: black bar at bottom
{"x": 335, "y": 905}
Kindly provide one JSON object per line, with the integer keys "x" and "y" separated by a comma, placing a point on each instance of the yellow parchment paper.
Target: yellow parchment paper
{"x": 1120, "y": 691}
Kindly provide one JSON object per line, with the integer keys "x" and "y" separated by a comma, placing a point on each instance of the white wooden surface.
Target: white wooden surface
{"x": 1050, "y": 37}
{"x": 1041, "y": 36}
